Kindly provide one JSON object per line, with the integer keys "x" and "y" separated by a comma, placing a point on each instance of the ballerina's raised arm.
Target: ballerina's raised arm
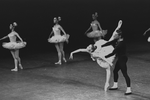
{"x": 146, "y": 31}
{"x": 114, "y": 33}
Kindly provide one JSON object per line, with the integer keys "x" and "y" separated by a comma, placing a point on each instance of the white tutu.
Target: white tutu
{"x": 59, "y": 38}
{"x": 102, "y": 52}
{"x": 96, "y": 33}
{"x": 102, "y": 63}
{"x": 14, "y": 45}
{"x": 148, "y": 39}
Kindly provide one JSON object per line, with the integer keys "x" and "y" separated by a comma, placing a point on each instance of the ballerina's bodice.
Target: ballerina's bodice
{"x": 12, "y": 36}
{"x": 56, "y": 30}
{"x": 94, "y": 26}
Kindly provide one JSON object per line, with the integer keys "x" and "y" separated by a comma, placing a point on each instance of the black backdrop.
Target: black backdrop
{"x": 35, "y": 20}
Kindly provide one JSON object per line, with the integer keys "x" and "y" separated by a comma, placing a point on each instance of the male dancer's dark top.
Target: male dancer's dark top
{"x": 120, "y": 48}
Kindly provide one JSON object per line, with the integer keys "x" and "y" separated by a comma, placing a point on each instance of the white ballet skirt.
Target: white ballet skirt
{"x": 96, "y": 33}
{"x": 14, "y": 45}
{"x": 101, "y": 52}
{"x": 148, "y": 39}
{"x": 59, "y": 38}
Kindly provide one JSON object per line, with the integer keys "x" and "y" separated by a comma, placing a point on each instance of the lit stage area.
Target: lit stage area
{"x": 78, "y": 79}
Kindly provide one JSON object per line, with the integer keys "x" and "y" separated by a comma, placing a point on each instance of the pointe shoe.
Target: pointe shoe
{"x": 106, "y": 87}
{"x": 20, "y": 66}
{"x": 14, "y": 69}
{"x": 59, "y": 63}
{"x": 64, "y": 60}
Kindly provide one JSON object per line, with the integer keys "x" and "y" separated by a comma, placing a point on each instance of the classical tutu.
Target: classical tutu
{"x": 96, "y": 33}
{"x": 102, "y": 52}
{"x": 14, "y": 45}
{"x": 58, "y": 38}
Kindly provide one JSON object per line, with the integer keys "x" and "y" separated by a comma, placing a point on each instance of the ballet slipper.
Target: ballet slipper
{"x": 64, "y": 60}
{"x": 20, "y": 66}
{"x": 15, "y": 69}
{"x": 114, "y": 87}
{"x": 59, "y": 63}
{"x": 128, "y": 91}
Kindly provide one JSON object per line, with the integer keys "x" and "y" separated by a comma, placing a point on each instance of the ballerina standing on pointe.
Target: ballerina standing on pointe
{"x": 97, "y": 32}
{"x": 59, "y": 40}
{"x": 98, "y": 54}
{"x": 14, "y": 46}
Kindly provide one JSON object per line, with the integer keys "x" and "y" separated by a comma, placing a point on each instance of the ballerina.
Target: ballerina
{"x": 98, "y": 54}
{"x": 14, "y": 46}
{"x": 97, "y": 32}
{"x": 59, "y": 40}
{"x": 89, "y": 49}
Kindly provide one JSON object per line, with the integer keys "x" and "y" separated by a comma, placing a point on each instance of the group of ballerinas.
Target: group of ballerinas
{"x": 96, "y": 50}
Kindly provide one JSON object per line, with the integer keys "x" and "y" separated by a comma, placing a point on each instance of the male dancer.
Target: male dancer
{"x": 120, "y": 51}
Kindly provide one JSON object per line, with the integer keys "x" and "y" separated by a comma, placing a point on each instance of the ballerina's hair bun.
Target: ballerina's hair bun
{"x": 14, "y": 24}
{"x": 55, "y": 18}
{"x": 96, "y": 14}
{"x": 59, "y": 18}
{"x": 11, "y": 26}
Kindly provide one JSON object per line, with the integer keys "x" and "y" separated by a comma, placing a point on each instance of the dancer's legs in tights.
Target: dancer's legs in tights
{"x": 15, "y": 60}
{"x": 108, "y": 74}
{"x": 62, "y": 51}
{"x": 18, "y": 58}
{"x": 121, "y": 65}
{"x": 125, "y": 74}
{"x": 15, "y": 54}
{"x": 57, "y": 45}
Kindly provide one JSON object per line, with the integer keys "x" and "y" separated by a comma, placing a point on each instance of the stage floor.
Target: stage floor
{"x": 78, "y": 79}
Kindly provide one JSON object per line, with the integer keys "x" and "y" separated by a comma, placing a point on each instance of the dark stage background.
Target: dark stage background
{"x": 35, "y": 21}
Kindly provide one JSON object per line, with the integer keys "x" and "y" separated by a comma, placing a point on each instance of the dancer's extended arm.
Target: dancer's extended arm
{"x": 109, "y": 43}
{"x": 76, "y": 51}
{"x": 119, "y": 26}
{"x": 62, "y": 30}
{"x": 19, "y": 37}
{"x": 51, "y": 34}
{"x": 117, "y": 48}
{"x": 99, "y": 26}
{"x": 146, "y": 31}
{"x": 88, "y": 29}
{"x": 4, "y": 37}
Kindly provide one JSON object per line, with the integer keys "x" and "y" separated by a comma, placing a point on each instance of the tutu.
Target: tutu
{"x": 96, "y": 33}
{"x": 102, "y": 52}
{"x": 59, "y": 38}
{"x": 14, "y": 45}
{"x": 148, "y": 39}
{"x": 102, "y": 63}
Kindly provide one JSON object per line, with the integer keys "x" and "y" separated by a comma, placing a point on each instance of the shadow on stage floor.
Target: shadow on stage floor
{"x": 78, "y": 79}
